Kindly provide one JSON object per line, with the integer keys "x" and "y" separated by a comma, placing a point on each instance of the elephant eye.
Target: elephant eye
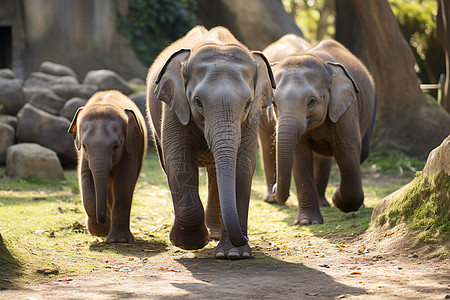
{"x": 116, "y": 146}
{"x": 247, "y": 104}
{"x": 312, "y": 102}
{"x": 198, "y": 103}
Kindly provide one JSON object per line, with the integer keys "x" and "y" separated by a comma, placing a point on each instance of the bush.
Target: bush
{"x": 150, "y": 26}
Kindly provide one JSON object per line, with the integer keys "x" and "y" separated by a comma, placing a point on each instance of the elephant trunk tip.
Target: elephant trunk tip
{"x": 279, "y": 196}
{"x": 101, "y": 217}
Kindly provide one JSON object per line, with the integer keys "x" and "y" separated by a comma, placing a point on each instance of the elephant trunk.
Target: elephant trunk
{"x": 225, "y": 154}
{"x": 288, "y": 133}
{"x": 100, "y": 174}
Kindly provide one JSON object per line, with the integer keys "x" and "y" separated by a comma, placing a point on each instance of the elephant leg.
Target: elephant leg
{"x": 267, "y": 141}
{"x": 322, "y": 168}
{"x": 122, "y": 188}
{"x": 308, "y": 199}
{"x": 246, "y": 162}
{"x": 213, "y": 214}
{"x": 349, "y": 196}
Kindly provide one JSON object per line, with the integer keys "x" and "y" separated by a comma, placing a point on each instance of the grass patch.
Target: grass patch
{"x": 42, "y": 223}
{"x": 423, "y": 206}
{"x": 394, "y": 163}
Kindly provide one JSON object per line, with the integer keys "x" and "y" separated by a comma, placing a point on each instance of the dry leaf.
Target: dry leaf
{"x": 283, "y": 247}
{"x": 355, "y": 273}
{"x": 388, "y": 233}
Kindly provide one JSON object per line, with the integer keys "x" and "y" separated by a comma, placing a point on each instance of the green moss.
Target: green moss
{"x": 424, "y": 206}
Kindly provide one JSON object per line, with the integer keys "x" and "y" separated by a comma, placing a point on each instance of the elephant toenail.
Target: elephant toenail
{"x": 220, "y": 255}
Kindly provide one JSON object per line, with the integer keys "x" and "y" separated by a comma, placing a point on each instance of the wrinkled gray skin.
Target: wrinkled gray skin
{"x": 110, "y": 136}
{"x": 325, "y": 106}
{"x": 290, "y": 44}
{"x": 205, "y": 94}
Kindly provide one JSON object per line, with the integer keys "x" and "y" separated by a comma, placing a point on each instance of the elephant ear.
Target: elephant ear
{"x": 134, "y": 130}
{"x": 170, "y": 85}
{"x": 264, "y": 85}
{"x": 73, "y": 129}
{"x": 344, "y": 90}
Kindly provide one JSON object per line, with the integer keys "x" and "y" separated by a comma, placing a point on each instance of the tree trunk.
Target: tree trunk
{"x": 405, "y": 121}
{"x": 444, "y": 31}
{"x": 349, "y": 31}
{"x": 256, "y": 23}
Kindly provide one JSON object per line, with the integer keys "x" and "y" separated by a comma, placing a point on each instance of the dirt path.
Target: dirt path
{"x": 303, "y": 268}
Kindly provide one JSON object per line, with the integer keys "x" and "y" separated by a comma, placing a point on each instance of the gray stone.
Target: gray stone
{"x": 47, "y": 100}
{"x": 56, "y": 69}
{"x": 12, "y": 97}
{"x": 107, "y": 80}
{"x": 29, "y": 159}
{"x": 39, "y": 79}
{"x": 37, "y": 126}
{"x": 68, "y": 91}
{"x": 7, "y": 135}
{"x": 67, "y": 80}
{"x": 69, "y": 109}
{"x": 10, "y": 120}
{"x": 7, "y": 74}
{"x": 139, "y": 99}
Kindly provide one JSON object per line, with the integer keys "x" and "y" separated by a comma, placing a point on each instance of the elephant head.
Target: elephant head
{"x": 309, "y": 90}
{"x": 218, "y": 88}
{"x": 102, "y": 135}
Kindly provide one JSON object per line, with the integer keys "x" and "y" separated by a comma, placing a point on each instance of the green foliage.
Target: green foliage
{"x": 417, "y": 19}
{"x": 423, "y": 206}
{"x": 393, "y": 163}
{"x": 150, "y": 26}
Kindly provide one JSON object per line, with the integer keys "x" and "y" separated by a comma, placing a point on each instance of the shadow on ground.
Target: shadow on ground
{"x": 9, "y": 267}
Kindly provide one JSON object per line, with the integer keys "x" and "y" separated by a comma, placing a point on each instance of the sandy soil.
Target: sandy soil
{"x": 303, "y": 268}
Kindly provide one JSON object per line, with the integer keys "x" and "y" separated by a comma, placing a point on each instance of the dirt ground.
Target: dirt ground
{"x": 303, "y": 268}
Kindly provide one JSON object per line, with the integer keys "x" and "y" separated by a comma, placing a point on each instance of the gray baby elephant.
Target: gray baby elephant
{"x": 110, "y": 136}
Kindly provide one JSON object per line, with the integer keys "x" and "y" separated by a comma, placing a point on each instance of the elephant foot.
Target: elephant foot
{"x": 323, "y": 202}
{"x": 189, "y": 239}
{"x": 348, "y": 203}
{"x": 98, "y": 229}
{"x": 269, "y": 197}
{"x": 215, "y": 232}
{"x": 308, "y": 217}
{"x": 226, "y": 250}
{"x": 120, "y": 236}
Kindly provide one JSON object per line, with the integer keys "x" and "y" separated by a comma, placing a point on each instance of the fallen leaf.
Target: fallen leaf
{"x": 312, "y": 294}
{"x": 389, "y": 233}
{"x": 48, "y": 271}
{"x": 355, "y": 273}
{"x": 343, "y": 296}
{"x": 283, "y": 247}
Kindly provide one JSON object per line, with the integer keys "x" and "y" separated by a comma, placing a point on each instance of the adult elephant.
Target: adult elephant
{"x": 205, "y": 94}
{"x": 289, "y": 44}
{"x": 325, "y": 106}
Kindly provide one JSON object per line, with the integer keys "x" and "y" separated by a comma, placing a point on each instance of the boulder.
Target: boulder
{"x": 68, "y": 91}
{"x": 12, "y": 97}
{"x": 47, "y": 100}
{"x": 107, "y": 80}
{"x": 37, "y": 126}
{"x": 9, "y": 119}
{"x": 67, "y": 80}
{"x": 7, "y": 74}
{"x": 71, "y": 106}
{"x": 139, "y": 99}
{"x": 438, "y": 159}
{"x": 56, "y": 69}
{"x": 29, "y": 159}
{"x": 39, "y": 79}
{"x": 7, "y": 135}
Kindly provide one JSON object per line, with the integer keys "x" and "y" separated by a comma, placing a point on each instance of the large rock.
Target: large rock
{"x": 7, "y": 135}
{"x": 439, "y": 159}
{"x": 12, "y": 97}
{"x": 107, "y": 80}
{"x": 7, "y": 74}
{"x": 28, "y": 159}
{"x": 47, "y": 100}
{"x": 10, "y": 120}
{"x": 57, "y": 69}
{"x": 37, "y": 126}
{"x": 68, "y": 91}
{"x": 69, "y": 109}
{"x": 39, "y": 79}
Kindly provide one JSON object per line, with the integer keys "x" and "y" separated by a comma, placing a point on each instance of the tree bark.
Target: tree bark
{"x": 256, "y": 23}
{"x": 405, "y": 121}
{"x": 443, "y": 35}
{"x": 349, "y": 31}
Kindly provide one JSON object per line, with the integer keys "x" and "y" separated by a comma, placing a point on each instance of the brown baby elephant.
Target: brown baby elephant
{"x": 325, "y": 107}
{"x": 110, "y": 136}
